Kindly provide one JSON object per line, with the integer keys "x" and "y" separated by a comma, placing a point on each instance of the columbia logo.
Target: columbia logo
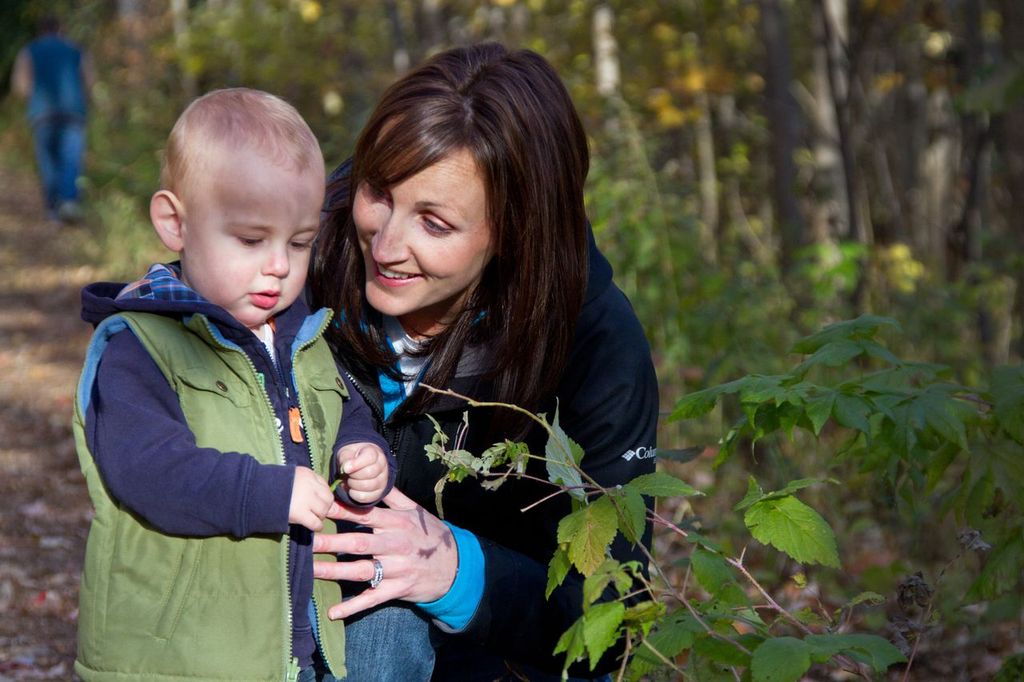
{"x": 640, "y": 453}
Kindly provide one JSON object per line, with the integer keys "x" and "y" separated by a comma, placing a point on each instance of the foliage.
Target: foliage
{"x": 909, "y": 427}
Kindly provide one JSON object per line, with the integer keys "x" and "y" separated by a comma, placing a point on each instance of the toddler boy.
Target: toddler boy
{"x": 210, "y": 415}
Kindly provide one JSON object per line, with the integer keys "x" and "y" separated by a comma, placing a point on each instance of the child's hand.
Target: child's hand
{"x": 365, "y": 470}
{"x": 311, "y": 499}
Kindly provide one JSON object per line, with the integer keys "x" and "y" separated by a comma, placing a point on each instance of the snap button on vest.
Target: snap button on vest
{"x": 222, "y": 386}
{"x": 338, "y": 381}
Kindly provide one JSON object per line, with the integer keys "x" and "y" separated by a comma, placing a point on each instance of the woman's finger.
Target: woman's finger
{"x": 365, "y": 600}
{"x": 397, "y": 500}
{"x": 353, "y": 571}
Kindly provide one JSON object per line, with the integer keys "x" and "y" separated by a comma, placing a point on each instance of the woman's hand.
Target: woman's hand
{"x": 415, "y": 549}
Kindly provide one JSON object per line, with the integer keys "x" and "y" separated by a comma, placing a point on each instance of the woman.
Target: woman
{"x": 464, "y": 260}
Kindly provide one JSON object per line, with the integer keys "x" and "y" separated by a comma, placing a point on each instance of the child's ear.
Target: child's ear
{"x": 168, "y": 217}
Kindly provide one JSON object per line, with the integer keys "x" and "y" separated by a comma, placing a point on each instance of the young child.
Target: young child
{"x": 210, "y": 415}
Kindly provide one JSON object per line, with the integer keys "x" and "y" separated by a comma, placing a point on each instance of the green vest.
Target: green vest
{"x": 167, "y": 608}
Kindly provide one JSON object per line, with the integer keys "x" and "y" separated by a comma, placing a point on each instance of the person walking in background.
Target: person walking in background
{"x": 55, "y": 76}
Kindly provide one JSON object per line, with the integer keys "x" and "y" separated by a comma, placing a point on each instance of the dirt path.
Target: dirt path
{"x": 44, "y": 507}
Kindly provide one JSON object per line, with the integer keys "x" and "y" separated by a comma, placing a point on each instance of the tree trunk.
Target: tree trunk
{"x": 833, "y": 30}
{"x": 1012, "y": 150}
{"x": 831, "y": 210}
{"x": 400, "y": 56}
{"x": 782, "y": 117}
{"x": 179, "y": 21}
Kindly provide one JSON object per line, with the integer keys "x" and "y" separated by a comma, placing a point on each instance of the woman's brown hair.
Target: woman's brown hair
{"x": 512, "y": 113}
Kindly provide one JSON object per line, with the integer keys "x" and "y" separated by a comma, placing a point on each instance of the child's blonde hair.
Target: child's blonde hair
{"x": 236, "y": 118}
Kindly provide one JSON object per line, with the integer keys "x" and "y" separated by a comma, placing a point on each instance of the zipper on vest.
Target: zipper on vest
{"x": 317, "y": 635}
{"x": 288, "y": 660}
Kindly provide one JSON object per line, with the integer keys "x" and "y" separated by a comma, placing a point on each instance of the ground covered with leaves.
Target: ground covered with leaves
{"x": 44, "y": 507}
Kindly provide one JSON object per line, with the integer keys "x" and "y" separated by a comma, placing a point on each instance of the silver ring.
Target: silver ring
{"x": 378, "y": 573}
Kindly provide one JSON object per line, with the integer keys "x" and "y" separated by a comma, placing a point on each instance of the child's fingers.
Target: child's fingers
{"x": 356, "y": 460}
{"x": 365, "y": 483}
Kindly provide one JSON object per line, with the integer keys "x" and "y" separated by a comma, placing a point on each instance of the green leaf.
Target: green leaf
{"x": 937, "y": 409}
{"x": 701, "y": 402}
{"x": 720, "y": 651}
{"x": 562, "y": 458}
{"x": 757, "y": 388}
{"x": 852, "y": 412}
{"x": 558, "y": 568}
{"x": 1008, "y": 395}
{"x": 711, "y": 570}
{"x": 819, "y": 409}
{"x": 632, "y": 513}
{"x": 643, "y": 615}
{"x": 876, "y": 651}
{"x": 792, "y": 527}
{"x": 601, "y": 628}
{"x": 982, "y": 494}
{"x": 588, "y": 532}
{"x": 864, "y": 327}
{"x": 610, "y": 572}
{"x": 794, "y": 486}
{"x": 938, "y": 464}
{"x": 593, "y": 632}
{"x": 833, "y": 354}
{"x": 754, "y": 493}
{"x": 869, "y": 598}
{"x": 572, "y": 643}
{"x": 879, "y": 352}
{"x": 780, "y": 659}
{"x": 673, "y": 635}
{"x": 660, "y": 484}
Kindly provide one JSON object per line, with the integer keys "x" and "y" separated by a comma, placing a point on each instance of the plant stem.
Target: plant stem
{"x": 738, "y": 565}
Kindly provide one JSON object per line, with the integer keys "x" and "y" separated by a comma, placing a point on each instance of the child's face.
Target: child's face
{"x": 248, "y": 228}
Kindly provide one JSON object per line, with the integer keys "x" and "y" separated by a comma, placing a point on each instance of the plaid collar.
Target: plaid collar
{"x": 161, "y": 283}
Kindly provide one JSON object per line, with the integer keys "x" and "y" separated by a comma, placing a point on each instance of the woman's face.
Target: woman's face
{"x": 425, "y": 243}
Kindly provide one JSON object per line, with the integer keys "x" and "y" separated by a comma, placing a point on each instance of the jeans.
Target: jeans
{"x": 390, "y": 643}
{"x": 60, "y": 144}
{"x": 396, "y": 643}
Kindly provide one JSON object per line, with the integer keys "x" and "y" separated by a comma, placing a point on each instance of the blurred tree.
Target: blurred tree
{"x": 784, "y": 119}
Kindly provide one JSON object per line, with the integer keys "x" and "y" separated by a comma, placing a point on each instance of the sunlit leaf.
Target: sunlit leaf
{"x": 558, "y": 568}
{"x": 588, "y": 532}
{"x": 792, "y": 527}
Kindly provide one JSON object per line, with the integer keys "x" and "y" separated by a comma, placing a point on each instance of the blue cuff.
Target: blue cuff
{"x": 456, "y": 608}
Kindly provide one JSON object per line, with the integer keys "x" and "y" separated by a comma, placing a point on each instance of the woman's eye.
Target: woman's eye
{"x": 301, "y": 245}
{"x": 249, "y": 241}
{"x": 436, "y": 227}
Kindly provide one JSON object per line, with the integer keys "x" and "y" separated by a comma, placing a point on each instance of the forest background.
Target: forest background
{"x": 760, "y": 169}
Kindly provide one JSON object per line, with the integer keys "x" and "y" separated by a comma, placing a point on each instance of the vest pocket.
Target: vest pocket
{"x": 179, "y": 589}
{"x": 218, "y": 383}
{"x": 323, "y": 405}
